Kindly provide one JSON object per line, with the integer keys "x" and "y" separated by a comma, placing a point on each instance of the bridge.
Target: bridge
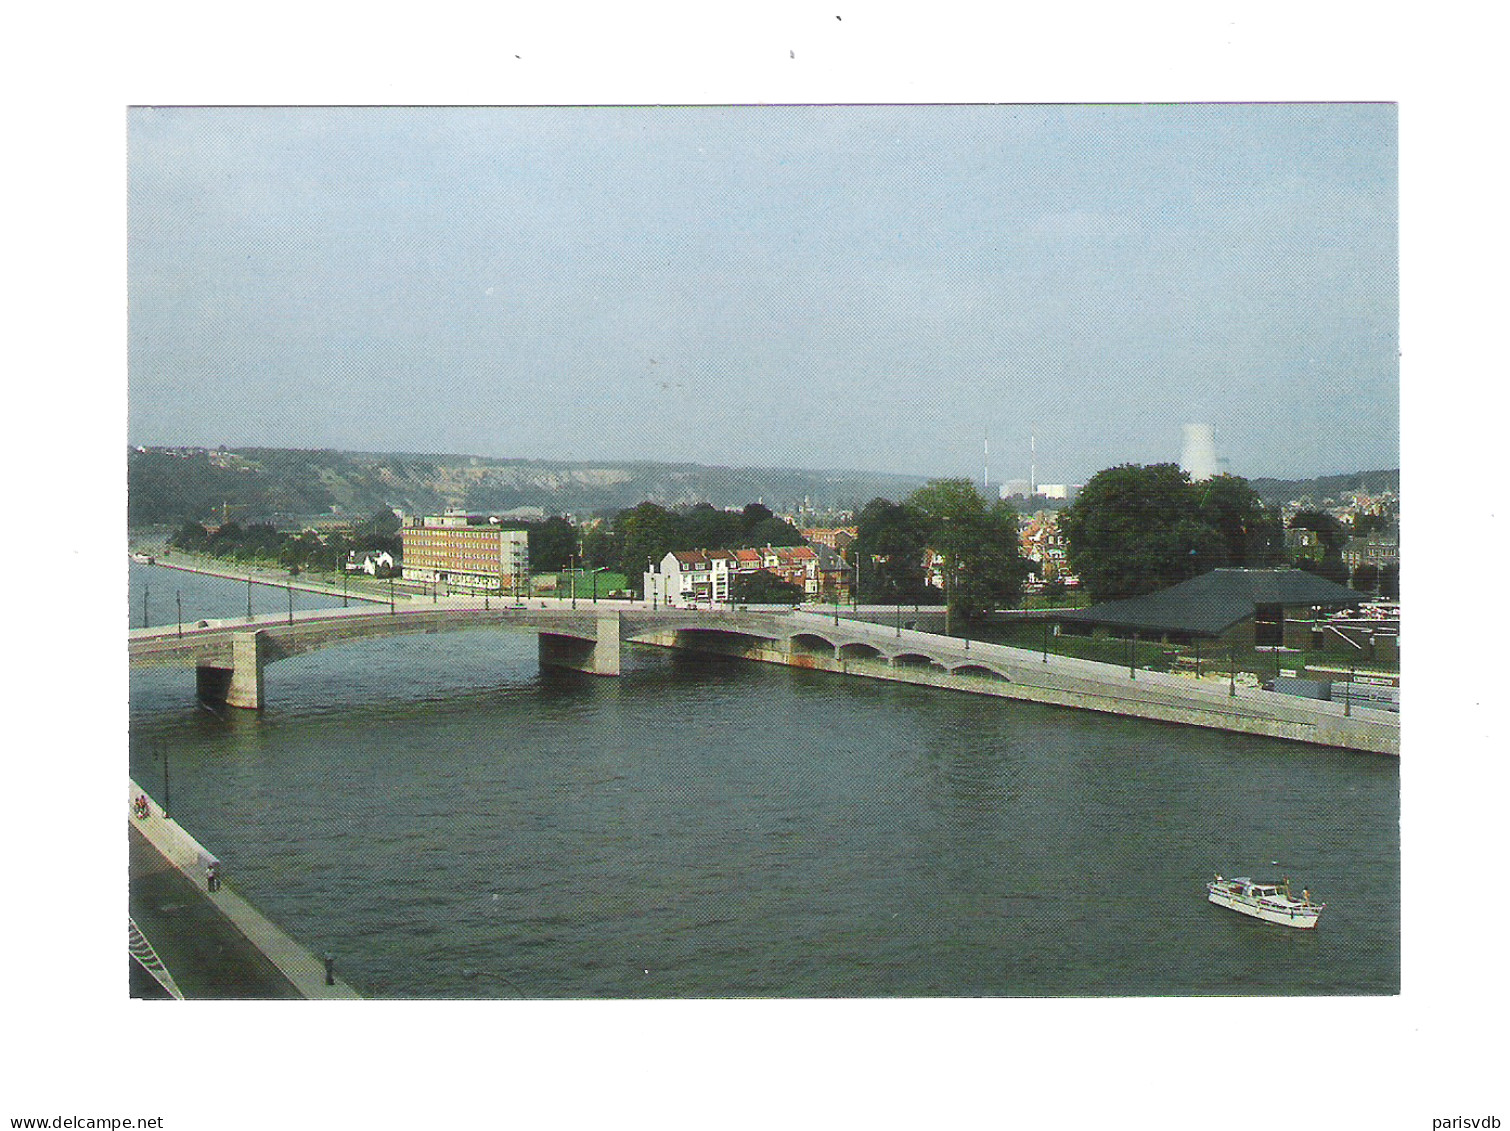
{"x": 229, "y": 657}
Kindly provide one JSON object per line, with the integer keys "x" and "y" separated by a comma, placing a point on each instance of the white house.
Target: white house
{"x": 370, "y": 563}
{"x": 684, "y": 576}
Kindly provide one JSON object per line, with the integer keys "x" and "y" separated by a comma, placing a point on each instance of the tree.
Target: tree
{"x": 1134, "y": 529}
{"x": 1252, "y": 534}
{"x": 978, "y": 543}
{"x": 765, "y": 588}
{"x": 889, "y": 547}
{"x": 190, "y": 536}
{"x": 646, "y": 533}
{"x": 552, "y": 542}
{"x": 1333, "y": 536}
{"x": 379, "y": 533}
{"x": 1326, "y": 527}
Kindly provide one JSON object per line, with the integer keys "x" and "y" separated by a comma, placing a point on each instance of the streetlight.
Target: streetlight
{"x": 146, "y": 592}
{"x": 249, "y": 596}
{"x": 178, "y": 598}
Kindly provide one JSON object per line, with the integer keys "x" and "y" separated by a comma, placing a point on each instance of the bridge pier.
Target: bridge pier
{"x": 240, "y": 685}
{"x": 599, "y": 656}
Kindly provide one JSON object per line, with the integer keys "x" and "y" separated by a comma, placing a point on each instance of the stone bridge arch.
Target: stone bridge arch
{"x": 810, "y": 643}
{"x": 973, "y": 668}
{"x": 915, "y": 660}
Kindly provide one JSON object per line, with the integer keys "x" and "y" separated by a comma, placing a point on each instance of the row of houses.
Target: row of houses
{"x": 707, "y": 576}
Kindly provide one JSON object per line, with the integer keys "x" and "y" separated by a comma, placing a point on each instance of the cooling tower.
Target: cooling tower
{"x": 1198, "y": 457}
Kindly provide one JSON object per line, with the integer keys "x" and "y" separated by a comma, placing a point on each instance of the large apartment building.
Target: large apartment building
{"x": 466, "y": 551}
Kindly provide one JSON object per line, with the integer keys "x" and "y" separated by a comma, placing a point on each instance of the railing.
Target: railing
{"x": 147, "y": 958}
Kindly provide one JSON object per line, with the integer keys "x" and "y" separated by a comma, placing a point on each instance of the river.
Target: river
{"x": 451, "y": 821}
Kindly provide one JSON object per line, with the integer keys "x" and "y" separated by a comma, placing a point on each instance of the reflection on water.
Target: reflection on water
{"x": 451, "y": 821}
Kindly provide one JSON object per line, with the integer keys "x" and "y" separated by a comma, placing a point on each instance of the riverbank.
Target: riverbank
{"x": 212, "y": 567}
{"x": 259, "y": 960}
{"x": 1240, "y": 706}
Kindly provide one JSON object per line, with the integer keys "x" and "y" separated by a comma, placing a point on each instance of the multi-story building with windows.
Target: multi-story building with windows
{"x": 466, "y": 551}
{"x": 706, "y": 576}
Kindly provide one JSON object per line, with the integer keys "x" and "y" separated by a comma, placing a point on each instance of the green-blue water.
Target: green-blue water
{"x": 450, "y": 821}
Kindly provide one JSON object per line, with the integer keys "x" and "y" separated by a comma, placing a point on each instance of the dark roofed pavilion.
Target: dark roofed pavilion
{"x": 1213, "y": 603}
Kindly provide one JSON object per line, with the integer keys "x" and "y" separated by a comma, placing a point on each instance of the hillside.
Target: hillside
{"x": 167, "y": 486}
{"x": 1326, "y": 489}
{"x": 171, "y": 485}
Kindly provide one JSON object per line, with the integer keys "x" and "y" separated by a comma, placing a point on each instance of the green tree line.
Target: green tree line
{"x": 980, "y": 564}
{"x": 296, "y": 551}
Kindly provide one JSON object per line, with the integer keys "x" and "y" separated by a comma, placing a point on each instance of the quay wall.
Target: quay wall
{"x": 1171, "y": 699}
{"x": 210, "y": 567}
{"x": 180, "y": 849}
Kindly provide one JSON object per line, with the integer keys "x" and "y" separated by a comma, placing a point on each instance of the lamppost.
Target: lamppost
{"x": 146, "y": 592}
{"x": 248, "y": 596}
{"x": 290, "y": 587}
{"x": 390, "y": 595}
{"x": 179, "y": 600}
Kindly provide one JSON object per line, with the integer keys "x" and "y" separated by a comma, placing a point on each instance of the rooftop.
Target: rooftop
{"x": 1212, "y": 603}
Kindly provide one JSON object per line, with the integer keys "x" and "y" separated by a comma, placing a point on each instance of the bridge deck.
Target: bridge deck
{"x": 806, "y": 639}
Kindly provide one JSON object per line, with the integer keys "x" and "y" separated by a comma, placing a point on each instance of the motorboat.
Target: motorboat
{"x": 1272, "y": 903}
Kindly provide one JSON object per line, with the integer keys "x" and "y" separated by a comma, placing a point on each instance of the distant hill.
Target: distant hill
{"x": 171, "y": 485}
{"x": 1327, "y": 488}
{"x": 166, "y": 486}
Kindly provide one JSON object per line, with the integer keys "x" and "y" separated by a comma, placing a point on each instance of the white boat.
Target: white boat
{"x": 1272, "y": 903}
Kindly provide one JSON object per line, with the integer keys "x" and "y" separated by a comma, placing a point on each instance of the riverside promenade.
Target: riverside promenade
{"x": 214, "y": 943}
{"x": 365, "y": 589}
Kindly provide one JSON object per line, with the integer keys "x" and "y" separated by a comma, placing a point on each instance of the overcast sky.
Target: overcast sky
{"x": 876, "y": 288}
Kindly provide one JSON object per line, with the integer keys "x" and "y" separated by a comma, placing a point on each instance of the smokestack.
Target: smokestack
{"x": 1198, "y": 456}
{"x": 1033, "y": 465}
